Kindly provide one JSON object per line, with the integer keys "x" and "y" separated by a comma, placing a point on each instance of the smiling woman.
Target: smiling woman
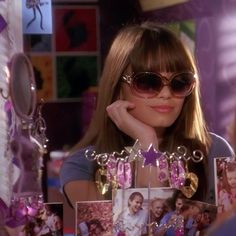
{"x": 148, "y": 91}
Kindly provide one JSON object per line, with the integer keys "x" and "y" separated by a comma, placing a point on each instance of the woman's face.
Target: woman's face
{"x": 178, "y": 204}
{"x": 160, "y": 111}
{"x": 231, "y": 177}
{"x": 136, "y": 204}
{"x": 157, "y": 208}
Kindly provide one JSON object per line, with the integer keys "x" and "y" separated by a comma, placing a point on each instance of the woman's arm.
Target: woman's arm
{"x": 81, "y": 190}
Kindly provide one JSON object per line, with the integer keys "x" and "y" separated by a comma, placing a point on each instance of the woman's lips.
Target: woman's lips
{"x": 163, "y": 108}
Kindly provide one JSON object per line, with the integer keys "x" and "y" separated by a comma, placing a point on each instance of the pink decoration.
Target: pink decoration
{"x": 177, "y": 174}
{"x": 124, "y": 176}
{"x": 111, "y": 168}
{"x": 163, "y": 174}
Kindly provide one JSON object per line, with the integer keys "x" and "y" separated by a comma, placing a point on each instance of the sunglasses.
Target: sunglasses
{"x": 149, "y": 84}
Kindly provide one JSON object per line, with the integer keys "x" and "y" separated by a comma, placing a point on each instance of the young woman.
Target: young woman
{"x": 157, "y": 211}
{"x": 149, "y": 91}
{"x": 133, "y": 219}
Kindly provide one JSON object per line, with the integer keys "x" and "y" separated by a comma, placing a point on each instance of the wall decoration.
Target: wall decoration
{"x": 43, "y": 72}
{"x": 37, "y": 16}
{"x": 75, "y": 74}
{"x": 38, "y": 43}
{"x": 76, "y": 29}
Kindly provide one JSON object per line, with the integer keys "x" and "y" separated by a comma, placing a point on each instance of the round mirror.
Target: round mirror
{"x": 22, "y": 86}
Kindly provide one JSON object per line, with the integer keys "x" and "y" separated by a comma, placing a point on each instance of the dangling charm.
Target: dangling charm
{"x": 162, "y": 165}
{"x": 177, "y": 174}
{"x": 112, "y": 172}
{"x": 124, "y": 174}
{"x": 102, "y": 181}
{"x": 191, "y": 183}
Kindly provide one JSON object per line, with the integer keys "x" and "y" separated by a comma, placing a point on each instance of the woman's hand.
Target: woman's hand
{"x": 119, "y": 114}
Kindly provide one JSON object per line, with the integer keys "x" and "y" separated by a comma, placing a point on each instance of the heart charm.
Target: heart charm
{"x": 191, "y": 185}
{"x": 102, "y": 181}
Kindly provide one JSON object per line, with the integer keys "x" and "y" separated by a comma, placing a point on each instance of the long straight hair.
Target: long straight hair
{"x": 148, "y": 47}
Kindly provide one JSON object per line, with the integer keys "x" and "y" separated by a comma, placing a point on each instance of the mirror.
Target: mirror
{"x": 22, "y": 86}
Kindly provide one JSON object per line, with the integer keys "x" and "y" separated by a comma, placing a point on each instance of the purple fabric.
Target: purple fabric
{"x": 3, "y": 212}
{"x": 3, "y": 23}
{"x": 214, "y": 20}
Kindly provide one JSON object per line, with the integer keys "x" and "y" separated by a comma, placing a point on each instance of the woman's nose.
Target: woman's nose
{"x": 165, "y": 92}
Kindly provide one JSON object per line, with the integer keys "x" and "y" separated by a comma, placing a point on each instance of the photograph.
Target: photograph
{"x": 35, "y": 218}
{"x": 225, "y": 183}
{"x": 76, "y": 29}
{"x": 94, "y": 218}
{"x": 182, "y": 216}
{"x": 131, "y": 209}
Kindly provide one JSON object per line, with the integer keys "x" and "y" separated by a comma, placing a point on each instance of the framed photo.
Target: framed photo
{"x": 94, "y": 218}
{"x": 43, "y": 73}
{"x": 75, "y": 75}
{"x": 76, "y": 28}
{"x": 225, "y": 183}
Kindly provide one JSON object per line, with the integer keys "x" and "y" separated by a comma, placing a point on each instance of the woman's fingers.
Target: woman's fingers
{"x": 118, "y": 112}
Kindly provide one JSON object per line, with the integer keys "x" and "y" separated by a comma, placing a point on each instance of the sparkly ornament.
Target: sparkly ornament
{"x": 151, "y": 156}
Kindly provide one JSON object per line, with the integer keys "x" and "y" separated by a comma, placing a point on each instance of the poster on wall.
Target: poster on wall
{"x": 43, "y": 73}
{"x": 75, "y": 75}
{"x": 37, "y": 16}
{"x": 38, "y": 43}
{"x": 76, "y": 29}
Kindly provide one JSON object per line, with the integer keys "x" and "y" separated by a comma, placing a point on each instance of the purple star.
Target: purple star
{"x": 151, "y": 155}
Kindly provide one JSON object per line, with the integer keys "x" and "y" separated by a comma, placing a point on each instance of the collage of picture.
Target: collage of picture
{"x": 142, "y": 211}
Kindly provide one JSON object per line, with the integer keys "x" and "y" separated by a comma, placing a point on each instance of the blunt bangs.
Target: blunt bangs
{"x": 159, "y": 51}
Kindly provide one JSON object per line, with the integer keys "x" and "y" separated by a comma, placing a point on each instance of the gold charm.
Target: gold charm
{"x": 102, "y": 181}
{"x": 190, "y": 189}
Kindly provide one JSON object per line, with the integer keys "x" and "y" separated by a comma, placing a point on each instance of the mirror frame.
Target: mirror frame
{"x": 16, "y": 59}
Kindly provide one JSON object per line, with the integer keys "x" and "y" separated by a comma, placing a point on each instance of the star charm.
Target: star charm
{"x": 151, "y": 155}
